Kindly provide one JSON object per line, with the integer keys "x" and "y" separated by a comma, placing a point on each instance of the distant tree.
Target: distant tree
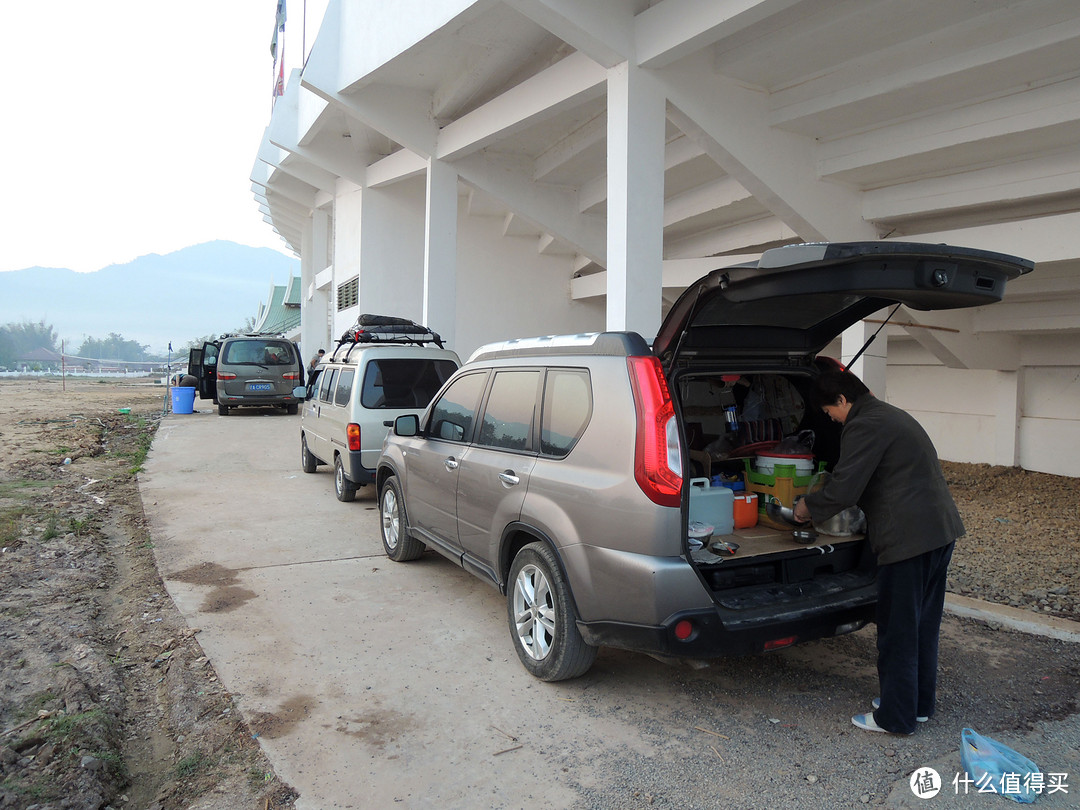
{"x": 114, "y": 347}
{"x": 16, "y": 339}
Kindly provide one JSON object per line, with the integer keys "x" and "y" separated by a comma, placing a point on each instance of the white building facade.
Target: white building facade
{"x": 509, "y": 168}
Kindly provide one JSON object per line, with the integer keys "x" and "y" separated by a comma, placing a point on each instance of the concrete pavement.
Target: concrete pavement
{"x": 374, "y": 684}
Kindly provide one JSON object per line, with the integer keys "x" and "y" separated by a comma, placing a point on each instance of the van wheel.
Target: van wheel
{"x": 396, "y": 541}
{"x": 291, "y": 409}
{"x": 223, "y": 410}
{"x": 542, "y": 617}
{"x": 308, "y": 462}
{"x": 344, "y": 489}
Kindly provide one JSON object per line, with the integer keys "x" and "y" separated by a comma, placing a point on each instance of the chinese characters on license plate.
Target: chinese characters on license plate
{"x": 259, "y": 387}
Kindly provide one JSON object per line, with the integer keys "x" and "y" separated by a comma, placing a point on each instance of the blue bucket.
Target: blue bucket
{"x": 183, "y": 399}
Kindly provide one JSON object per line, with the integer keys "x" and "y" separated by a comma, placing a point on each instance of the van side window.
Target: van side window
{"x": 510, "y": 410}
{"x": 327, "y": 387}
{"x": 453, "y": 415}
{"x": 567, "y": 410}
{"x": 344, "y": 386}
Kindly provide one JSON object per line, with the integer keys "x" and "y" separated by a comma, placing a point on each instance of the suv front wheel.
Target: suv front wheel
{"x": 397, "y": 543}
{"x": 542, "y": 618}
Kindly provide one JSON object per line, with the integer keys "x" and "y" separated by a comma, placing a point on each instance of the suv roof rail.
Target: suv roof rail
{"x": 615, "y": 344}
{"x": 389, "y": 329}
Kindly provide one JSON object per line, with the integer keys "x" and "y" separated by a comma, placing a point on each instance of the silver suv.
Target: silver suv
{"x": 382, "y": 368}
{"x": 557, "y": 469}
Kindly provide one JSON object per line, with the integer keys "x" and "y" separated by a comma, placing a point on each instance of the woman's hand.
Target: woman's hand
{"x": 801, "y": 512}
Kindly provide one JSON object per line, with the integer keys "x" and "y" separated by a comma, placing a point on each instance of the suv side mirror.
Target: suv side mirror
{"x": 407, "y": 425}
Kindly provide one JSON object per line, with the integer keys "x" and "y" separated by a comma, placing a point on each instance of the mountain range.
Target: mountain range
{"x": 156, "y": 299}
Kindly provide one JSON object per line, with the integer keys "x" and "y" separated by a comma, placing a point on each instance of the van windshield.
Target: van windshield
{"x": 257, "y": 353}
{"x": 404, "y": 382}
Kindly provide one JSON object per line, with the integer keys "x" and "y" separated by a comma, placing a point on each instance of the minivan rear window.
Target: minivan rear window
{"x": 257, "y": 352}
{"x": 404, "y": 382}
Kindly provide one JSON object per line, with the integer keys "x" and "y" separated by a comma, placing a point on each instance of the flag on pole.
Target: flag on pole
{"x": 279, "y": 84}
{"x": 279, "y": 25}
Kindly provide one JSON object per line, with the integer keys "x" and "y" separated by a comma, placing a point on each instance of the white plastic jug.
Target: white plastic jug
{"x": 715, "y": 505}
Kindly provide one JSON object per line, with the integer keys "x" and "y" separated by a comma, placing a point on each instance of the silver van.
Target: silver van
{"x": 249, "y": 370}
{"x": 382, "y": 369}
{"x": 559, "y": 469}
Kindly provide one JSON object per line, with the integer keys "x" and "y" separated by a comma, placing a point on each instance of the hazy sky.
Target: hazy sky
{"x": 131, "y": 126}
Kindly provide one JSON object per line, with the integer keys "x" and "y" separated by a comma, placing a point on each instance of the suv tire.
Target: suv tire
{"x": 223, "y": 410}
{"x": 308, "y": 462}
{"x": 398, "y": 544}
{"x": 542, "y": 617}
{"x": 344, "y": 489}
{"x": 291, "y": 409}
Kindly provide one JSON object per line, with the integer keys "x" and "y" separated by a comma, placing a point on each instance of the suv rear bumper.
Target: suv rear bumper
{"x": 719, "y": 632}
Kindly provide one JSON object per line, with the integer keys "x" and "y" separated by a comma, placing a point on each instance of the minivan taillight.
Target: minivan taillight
{"x": 352, "y": 435}
{"x": 226, "y": 375}
{"x": 291, "y": 375}
{"x": 657, "y": 451}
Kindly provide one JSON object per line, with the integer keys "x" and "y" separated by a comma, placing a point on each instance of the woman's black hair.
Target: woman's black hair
{"x": 829, "y": 386}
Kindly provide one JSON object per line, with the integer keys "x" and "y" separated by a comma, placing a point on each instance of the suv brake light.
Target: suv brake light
{"x": 657, "y": 451}
{"x": 291, "y": 375}
{"x": 352, "y": 435}
{"x": 226, "y": 375}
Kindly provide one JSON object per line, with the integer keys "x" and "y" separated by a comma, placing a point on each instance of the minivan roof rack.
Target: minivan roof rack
{"x": 389, "y": 329}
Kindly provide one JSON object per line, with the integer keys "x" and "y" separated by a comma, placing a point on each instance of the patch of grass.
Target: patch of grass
{"x": 22, "y": 488}
{"x": 51, "y": 527}
{"x": 79, "y": 527}
{"x": 9, "y": 524}
{"x": 33, "y": 790}
{"x": 192, "y": 764}
{"x": 258, "y": 777}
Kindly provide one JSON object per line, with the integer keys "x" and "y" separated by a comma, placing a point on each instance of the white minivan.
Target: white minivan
{"x": 381, "y": 369}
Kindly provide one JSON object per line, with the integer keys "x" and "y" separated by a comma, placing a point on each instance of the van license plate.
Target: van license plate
{"x": 260, "y": 387}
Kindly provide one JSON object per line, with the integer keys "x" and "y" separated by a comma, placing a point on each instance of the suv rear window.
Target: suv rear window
{"x": 257, "y": 352}
{"x": 404, "y": 382}
{"x": 567, "y": 409}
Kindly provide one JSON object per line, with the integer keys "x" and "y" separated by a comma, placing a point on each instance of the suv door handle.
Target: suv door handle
{"x": 508, "y": 478}
{"x": 450, "y": 462}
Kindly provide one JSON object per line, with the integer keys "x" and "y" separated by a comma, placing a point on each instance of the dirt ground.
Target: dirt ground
{"x": 107, "y": 699}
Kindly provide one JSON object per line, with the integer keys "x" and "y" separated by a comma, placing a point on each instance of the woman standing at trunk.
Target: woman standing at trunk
{"x": 889, "y": 468}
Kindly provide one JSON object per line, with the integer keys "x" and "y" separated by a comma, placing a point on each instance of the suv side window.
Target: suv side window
{"x": 453, "y": 415}
{"x": 567, "y": 410}
{"x": 327, "y": 387}
{"x": 344, "y": 386}
{"x": 510, "y": 410}
{"x": 404, "y": 382}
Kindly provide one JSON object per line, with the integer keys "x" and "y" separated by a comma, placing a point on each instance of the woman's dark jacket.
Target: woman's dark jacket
{"x": 888, "y": 466}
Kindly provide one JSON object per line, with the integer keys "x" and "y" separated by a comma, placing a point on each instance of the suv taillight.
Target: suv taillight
{"x": 657, "y": 451}
{"x": 352, "y": 434}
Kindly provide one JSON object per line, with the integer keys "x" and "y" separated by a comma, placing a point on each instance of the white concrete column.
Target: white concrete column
{"x": 1007, "y": 412}
{"x": 635, "y": 199}
{"x": 440, "y": 250}
{"x": 314, "y": 321}
{"x": 870, "y": 367}
{"x": 391, "y": 257}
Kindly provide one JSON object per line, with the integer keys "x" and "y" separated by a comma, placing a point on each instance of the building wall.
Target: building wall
{"x": 505, "y": 289}
{"x": 961, "y": 410}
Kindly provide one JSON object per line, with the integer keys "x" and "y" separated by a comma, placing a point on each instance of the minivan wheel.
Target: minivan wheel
{"x": 307, "y": 461}
{"x": 223, "y": 410}
{"x": 542, "y": 617}
{"x": 396, "y": 541}
{"x": 344, "y": 489}
{"x": 292, "y": 409}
